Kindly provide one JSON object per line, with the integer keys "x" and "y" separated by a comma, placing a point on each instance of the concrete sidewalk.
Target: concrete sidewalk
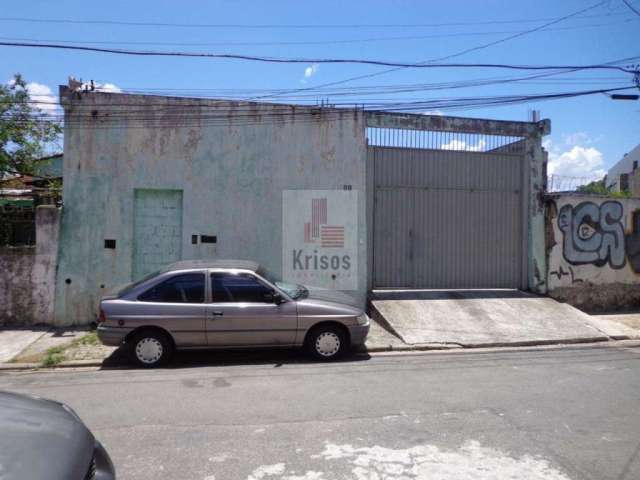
{"x": 33, "y": 346}
{"x": 12, "y": 342}
{"x": 23, "y": 349}
{"x": 628, "y": 320}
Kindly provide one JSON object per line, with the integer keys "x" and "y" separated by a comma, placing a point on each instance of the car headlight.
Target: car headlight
{"x": 363, "y": 319}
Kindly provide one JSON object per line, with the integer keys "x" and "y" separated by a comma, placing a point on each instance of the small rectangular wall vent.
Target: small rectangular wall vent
{"x": 109, "y": 243}
{"x": 208, "y": 238}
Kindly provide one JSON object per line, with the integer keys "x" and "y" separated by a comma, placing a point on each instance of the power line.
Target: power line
{"x": 631, "y": 7}
{"x": 395, "y": 88}
{"x": 138, "y": 89}
{"x": 462, "y": 52}
{"x": 284, "y": 26}
{"x": 239, "y": 94}
{"x": 306, "y": 42}
{"x": 225, "y": 113}
{"x": 255, "y": 58}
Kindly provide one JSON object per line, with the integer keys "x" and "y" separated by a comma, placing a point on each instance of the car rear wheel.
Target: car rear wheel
{"x": 151, "y": 348}
{"x": 327, "y": 342}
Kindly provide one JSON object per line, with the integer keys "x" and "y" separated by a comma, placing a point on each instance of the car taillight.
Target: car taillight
{"x": 102, "y": 317}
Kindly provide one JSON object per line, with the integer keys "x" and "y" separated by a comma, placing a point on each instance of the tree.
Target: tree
{"x": 24, "y": 133}
{"x": 599, "y": 187}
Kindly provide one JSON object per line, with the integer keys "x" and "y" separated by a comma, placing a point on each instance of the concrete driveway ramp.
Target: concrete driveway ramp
{"x": 475, "y": 318}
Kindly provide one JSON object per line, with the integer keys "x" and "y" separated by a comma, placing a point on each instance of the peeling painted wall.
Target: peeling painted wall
{"x": 231, "y": 173}
{"x": 593, "y": 249}
{"x": 535, "y": 184}
{"x": 27, "y": 283}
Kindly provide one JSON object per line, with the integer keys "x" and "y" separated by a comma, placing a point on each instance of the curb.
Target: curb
{"x": 622, "y": 344}
{"x": 454, "y": 348}
{"x": 39, "y": 366}
{"x": 471, "y": 346}
{"x": 411, "y": 348}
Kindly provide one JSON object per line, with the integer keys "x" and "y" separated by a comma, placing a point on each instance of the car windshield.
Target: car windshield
{"x": 127, "y": 288}
{"x": 294, "y": 290}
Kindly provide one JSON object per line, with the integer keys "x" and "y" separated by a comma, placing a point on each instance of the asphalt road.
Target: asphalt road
{"x": 570, "y": 413}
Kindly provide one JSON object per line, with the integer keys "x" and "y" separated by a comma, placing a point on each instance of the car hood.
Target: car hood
{"x": 320, "y": 301}
{"x": 316, "y": 293}
{"x": 42, "y": 439}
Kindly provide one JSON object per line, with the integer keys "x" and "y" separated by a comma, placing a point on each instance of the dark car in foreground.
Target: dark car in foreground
{"x": 227, "y": 304}
{"x": 45, "y": 439}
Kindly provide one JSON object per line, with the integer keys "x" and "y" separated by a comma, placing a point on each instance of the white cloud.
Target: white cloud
{"x": 584, "y": 162}
{"x": 107, "y": 87}
{"x": 460, "y": 145}
{"x": 101, "y": 87}
{"x": 575, "y": 158}
{"x": 311, "y": 70}
{"x": 41, "y": 94}
{"x": 47, "y": 101}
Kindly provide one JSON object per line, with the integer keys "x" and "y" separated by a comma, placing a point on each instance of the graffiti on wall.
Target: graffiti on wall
{"x": 593, "y": 234}
{"x": 560, "y": 273}
{"x": 632, "y": 242}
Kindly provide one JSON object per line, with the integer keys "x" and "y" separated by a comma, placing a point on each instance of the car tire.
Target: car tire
{"x": 151, "y": 348}
{"x": 326, "y": 343}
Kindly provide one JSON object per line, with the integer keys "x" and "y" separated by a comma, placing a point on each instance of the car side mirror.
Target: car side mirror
{"x": 277, "y": 298}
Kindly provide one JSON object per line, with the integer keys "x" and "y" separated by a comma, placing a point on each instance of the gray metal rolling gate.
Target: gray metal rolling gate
{"x": 447, "y": 209}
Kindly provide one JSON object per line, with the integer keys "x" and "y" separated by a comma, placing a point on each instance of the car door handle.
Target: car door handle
{"x": 217, "y": 313}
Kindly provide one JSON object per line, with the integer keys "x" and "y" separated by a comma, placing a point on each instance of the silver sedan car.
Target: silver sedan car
{"x": 227, "y": 304}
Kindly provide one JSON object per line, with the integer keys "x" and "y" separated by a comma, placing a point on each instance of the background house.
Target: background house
{"x": 20, "y": 194}
{"x": 618, "y": 175}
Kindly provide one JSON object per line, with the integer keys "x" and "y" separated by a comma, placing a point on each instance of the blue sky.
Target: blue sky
{"x": 589, "y": 133}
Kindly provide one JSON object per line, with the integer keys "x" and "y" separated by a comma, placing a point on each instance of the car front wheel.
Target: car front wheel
{"x": 151, "y": 349}
{"x": 327, "y": 342}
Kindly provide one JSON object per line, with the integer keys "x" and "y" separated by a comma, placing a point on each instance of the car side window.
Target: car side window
{"x": 185, "y": 288}
{"x": 241, "y": 287}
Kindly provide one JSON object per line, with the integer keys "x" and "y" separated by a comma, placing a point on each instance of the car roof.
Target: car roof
{"x": 231, "y": 264}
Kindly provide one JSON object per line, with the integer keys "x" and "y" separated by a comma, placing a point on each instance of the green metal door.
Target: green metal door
{"x": 157, "y": 229}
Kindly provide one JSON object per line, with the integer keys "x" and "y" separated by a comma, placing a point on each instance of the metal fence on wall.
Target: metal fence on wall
{"x": 435, "y": 140}
{"x": 566, "y": 183}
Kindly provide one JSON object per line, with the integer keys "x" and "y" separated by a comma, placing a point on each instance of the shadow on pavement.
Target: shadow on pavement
{"x": 120, "y": 358}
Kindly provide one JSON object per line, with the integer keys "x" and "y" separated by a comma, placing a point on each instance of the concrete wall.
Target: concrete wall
{"x": 593, "y": 249}
{"x": 535, "y": 184}
{"x": 27, "y": 282}
{"x": 231, "y": 167}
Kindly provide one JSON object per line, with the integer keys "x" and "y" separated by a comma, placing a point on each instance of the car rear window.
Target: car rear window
{"x": 185, "y": 288}
{"x": 128, "y": 288}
